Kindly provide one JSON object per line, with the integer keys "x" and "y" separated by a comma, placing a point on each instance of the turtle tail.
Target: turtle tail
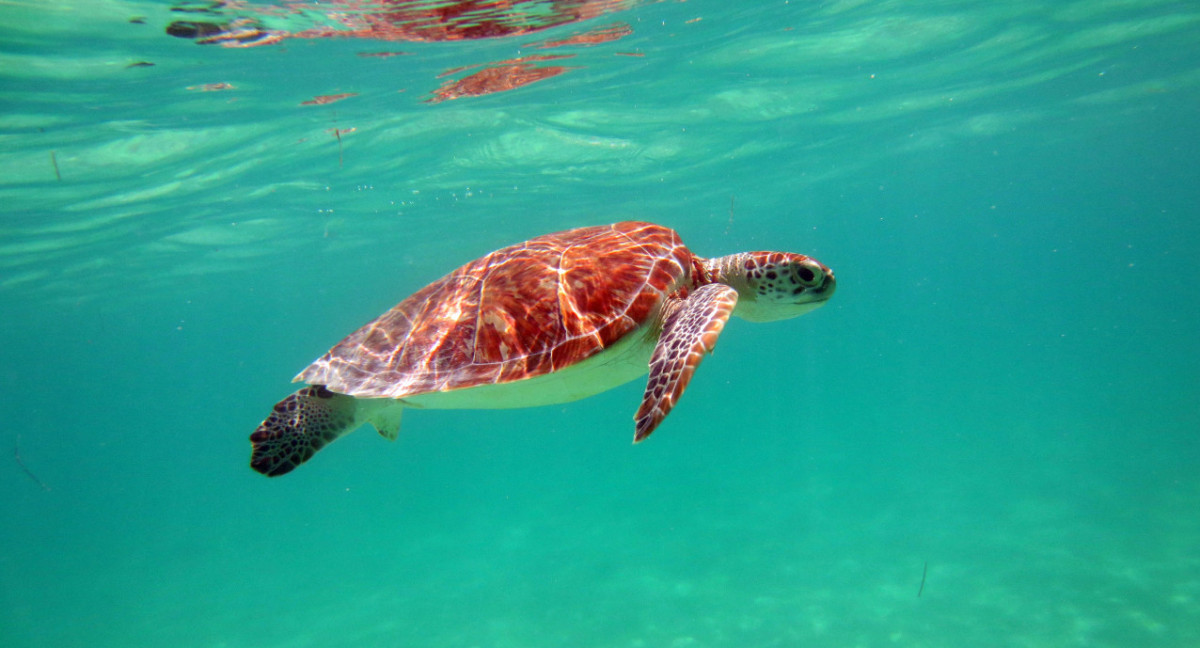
{"x": 300, "y": 425}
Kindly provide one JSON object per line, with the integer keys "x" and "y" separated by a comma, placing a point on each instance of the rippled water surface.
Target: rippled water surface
{"x": 988, "y": 437}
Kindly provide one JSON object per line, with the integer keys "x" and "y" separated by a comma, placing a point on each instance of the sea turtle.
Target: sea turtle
{"x": 554, "y": 319}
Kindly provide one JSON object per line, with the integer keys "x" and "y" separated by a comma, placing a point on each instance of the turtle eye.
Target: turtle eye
{"x": 808, "y": 273}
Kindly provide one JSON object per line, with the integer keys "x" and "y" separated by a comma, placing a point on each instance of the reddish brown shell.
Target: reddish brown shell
{"x": 520, "y": 312}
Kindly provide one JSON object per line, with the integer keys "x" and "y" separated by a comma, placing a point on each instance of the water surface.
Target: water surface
{"x": 1002, "y": 395}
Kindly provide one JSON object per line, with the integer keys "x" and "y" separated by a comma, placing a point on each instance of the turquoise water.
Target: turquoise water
{"x": 987, "y": 438}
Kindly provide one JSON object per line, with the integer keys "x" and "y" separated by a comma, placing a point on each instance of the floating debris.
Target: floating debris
{"x": 382, "y": 54}
{"x": 605, "y": 34}
{"x": 403, "y": 20}
{"x": 204, "y": 7}
{"x": 212, "y": 87}
{"x": 501, "y": 77}
{"x": 320, "y": 100}
{"x": 338, "y": 132}
{"x": 192, "y": 29}
{"x": 24, "y": 468}
{"x": 243, "y": 37}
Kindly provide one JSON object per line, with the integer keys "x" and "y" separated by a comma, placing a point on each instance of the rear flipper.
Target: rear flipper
{"x": 300, "y": 425}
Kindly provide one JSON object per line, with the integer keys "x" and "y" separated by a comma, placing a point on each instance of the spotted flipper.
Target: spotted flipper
{"x": 690, "y": 330}
{"x": 300, "y": 425}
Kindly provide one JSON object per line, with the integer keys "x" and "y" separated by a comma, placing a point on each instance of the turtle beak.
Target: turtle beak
{"x": 819, "y": 279}
{"x": 827, "y": 287}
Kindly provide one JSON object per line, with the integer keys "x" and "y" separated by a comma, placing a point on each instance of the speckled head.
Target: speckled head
{"x": 774, "y": 285}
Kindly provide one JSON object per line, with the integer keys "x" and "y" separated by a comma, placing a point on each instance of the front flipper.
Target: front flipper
{"x": 690, "y": 330}
{"x": 300, "y": 425}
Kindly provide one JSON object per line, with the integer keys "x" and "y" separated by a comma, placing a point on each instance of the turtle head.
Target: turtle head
{"x": 774, "y": 285}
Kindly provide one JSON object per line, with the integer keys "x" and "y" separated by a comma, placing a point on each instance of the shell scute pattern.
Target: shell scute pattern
{"x": 522, "y": 311}
{"x": 507, "y": 326}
